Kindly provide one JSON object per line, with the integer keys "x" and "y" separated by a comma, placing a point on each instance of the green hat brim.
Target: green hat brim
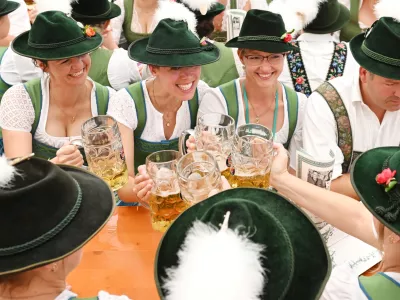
{"x": 344, "y": 18}
{"x": 374, "y": 66}
{"x": 363, "y": 174}
{"x": 9, "y": 8}
{"x": 264, "y": 46}
{"x": 215, "y": 10}
{"x": 96, "y": 209}
{"x": 137, "y": 51}
{"x": 114, "y": 12}
{"x": 21, "y": 47}
{"x": 311, "y": 256}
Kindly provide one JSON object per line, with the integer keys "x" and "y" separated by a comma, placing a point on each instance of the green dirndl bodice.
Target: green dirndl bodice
{"x": 129, "y": 34}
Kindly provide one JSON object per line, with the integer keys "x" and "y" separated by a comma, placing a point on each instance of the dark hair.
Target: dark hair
{"x": 45, "y": 63}
{"x": 205, "y": 26}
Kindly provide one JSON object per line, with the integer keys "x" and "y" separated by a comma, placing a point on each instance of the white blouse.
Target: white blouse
{"x": 17, "y": 112}
{"x": 66, "y": 295}
{"x": 123, "y": 109}
{"x": 214, "y": 101}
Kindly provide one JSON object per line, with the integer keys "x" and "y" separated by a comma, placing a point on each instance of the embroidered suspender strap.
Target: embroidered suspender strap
{"x": 293, "y": 112}
{"x": 338, "y": 62}
{"x": 344, "y": 132}
{"x": 102, "y": 98}
{"x": 34, "y": 89}
{"x": 379, "y": 287}
{"x": 229, "y": 92}
{"x": 298, "y": 72}
{"x": 193, "y": 109}
{"x": 137, "y": 94}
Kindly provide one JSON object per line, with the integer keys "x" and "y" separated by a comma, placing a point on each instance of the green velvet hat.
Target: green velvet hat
{"x": 172, "y": 44}
{"x": 55, "y": 36}
{"x": 384, "y": 205}
{"x": 7, "y": 7}
{"x": 262, "y": 31}
{"x": 296, "y": 257}
{"x": 376, "y": 50}
{"x": 94, "y": 11}
{"x": 48, "y": 212}
{"x": 331, "y": 17}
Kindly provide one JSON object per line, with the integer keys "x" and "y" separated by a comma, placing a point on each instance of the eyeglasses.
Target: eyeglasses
{"x": 256, "y": 60}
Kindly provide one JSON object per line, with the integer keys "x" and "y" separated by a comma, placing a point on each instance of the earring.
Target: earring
{"x": 54, "y": 267}
{"x": 394, "y": 238}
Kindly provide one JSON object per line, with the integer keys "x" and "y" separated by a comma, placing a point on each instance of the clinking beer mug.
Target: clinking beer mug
{"x": 104, "y": 152}
{"x": 214, "y": 133}
{"x": 251, "y": 158}
{"x": 198, "y": 176}
{"x": 165, "y": 201}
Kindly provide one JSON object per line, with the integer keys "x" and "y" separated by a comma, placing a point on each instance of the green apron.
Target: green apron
{"x": 221, "y": 71}
{"x": 34, "y": 89}
{"x": 380, "y": 287}
{"x": 3, "y": 85}
{"x": 352, "y": 28}
{"x": 99, "y": 67}
{"x": 129, "y": 34}
{"x": 230, "y": 94}
{"x": 142, "y": 147}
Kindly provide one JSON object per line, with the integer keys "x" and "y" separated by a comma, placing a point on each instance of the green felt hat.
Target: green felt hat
{"x": 7, "y": 7}
{"x": 331, "y": 17}
{"x": 296, "y": 256}
{"x": 385, "y": 206}
{"x": 48, "y": 212}
{"x": 172, "y": 44}
{"x": 55, "y": 36}
{"x": 94, "y": 11}
{"x": 376, "y": 50}
{"x": 262, "y": 31}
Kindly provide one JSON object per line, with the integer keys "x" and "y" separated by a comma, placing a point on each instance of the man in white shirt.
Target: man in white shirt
{"x": 318, "y": 57}
{"x": 19, "y": 23}
{"x": 352, "y": 115}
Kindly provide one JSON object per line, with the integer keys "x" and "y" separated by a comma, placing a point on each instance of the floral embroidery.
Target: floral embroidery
{"x": 298, "y": 71}
{"x": 345, "y": 137}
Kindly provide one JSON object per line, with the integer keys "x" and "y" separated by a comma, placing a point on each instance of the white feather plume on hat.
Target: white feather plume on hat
{"x": 216, "y": 264}
{"x": 60, "y": 5}
{"x": 175, "y": 11}
{"x": 388, "y": 8}
{"x": 201, "y": 5}
{"x": 296, "y": 14}
{"x": 7, "y": 172}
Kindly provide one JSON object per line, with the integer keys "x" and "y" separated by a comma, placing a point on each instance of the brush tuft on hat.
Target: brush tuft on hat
{"x": 177, "y": 12}
{"x": 216, "y": 264}
{"x": 60, "y": 5}
{"x": 7, "y": 172}
{"x": 388, "y": 8}
{"x": 201, "y": 5}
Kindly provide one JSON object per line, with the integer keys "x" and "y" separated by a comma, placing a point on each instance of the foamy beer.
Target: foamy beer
{"x": 101, "y": 140}
{"x": 250, "y": 162}
{"x": 214, "y": 133}
{"x": 198, "y": 176}
{"x": 165, "y": 201}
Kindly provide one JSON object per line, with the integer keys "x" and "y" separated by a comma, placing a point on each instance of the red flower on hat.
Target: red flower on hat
{"x": 89, "y": 31}
{"x": 386, "y": 178}
{"x": 287, "y": 37}
{"x": 299, "y": 80}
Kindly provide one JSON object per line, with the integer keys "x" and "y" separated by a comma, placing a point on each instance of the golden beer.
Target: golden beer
{"x": 249, "y": 177}
{"x": 116, "y": 175}
{"x": 165, "y": 209}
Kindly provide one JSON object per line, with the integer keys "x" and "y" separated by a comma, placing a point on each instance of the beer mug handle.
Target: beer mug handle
{"x": 182, "y": 140}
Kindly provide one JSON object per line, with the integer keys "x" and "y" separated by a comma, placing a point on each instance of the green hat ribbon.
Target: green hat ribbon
{"x": 202, "y": 48}
{"x": 388, "y": 179}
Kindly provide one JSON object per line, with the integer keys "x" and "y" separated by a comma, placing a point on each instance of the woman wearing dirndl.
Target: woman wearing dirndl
{"x": 153, "y": 113}
{"x": 259, "y": 97}
{"x": 42, "y": 239}
{"x": 45, "y": 114}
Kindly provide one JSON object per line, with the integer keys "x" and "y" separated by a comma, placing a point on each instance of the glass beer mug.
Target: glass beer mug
{"x": 198, "y": 176}
{"x": 165, "y": 201}
{"x": 214, "y": 133}
{"x": 104, "y": 152}
{"x": 251, "y": 158}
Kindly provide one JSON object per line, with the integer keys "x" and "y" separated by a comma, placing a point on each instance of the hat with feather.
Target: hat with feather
{"x": 47, "y": 212}
{"x": 266, "y": 248}
{"x": 203, "y": 8}
{"x": 7, "y": 7}
{"x": 376, "y": 50}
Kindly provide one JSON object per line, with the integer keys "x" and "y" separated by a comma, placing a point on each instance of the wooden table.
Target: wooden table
{"x": 120, "y": 259}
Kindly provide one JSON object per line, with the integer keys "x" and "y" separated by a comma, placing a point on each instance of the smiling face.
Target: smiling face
{"x": 71, "y": 71}
{"x": 180, "y": 83}
{"x": 384, "y": 93}
{"x": 264, "y": 72}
